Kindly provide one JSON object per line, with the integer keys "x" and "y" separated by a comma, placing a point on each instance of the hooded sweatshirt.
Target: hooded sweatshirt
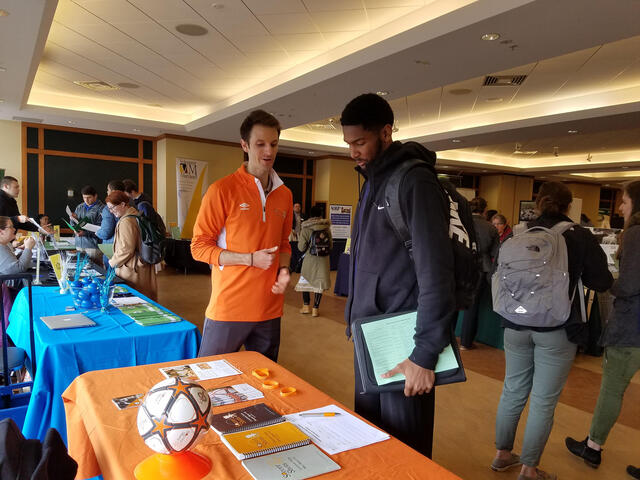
{"x": 383, "y": 279}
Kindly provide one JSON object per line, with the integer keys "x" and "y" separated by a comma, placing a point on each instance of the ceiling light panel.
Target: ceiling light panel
{"x": 341, "y": 21}
{"x": 332, "y": 5}
{"x": 424, "y": 107}
{"x": 289, "y": 23}
{"x": 260, "y": 7}
{"x": 234, "y": 19}
{"x": 300, "y": 42}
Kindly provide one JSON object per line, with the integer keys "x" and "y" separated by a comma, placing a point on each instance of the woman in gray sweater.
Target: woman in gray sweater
{"x": 621, "y": 337}
{"x": 9, "y": 263}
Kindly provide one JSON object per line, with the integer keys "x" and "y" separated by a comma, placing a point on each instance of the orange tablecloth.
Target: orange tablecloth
{"x": 104, "y": 440}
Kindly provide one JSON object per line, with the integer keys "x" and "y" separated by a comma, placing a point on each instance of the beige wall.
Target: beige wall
{"x": 504, "y": 193}
{"x": 11, "y": 144}
{"x": 590, "y": 195}
{"x": 336, "y": 182}
{"x": 222, "y": 160}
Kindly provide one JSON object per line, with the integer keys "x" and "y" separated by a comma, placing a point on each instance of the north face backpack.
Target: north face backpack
{"x": 319, "y": 243}
{"x": 152, "y": 243}
{"x": 531, "y": 284}
{"x": 461, "y": 231}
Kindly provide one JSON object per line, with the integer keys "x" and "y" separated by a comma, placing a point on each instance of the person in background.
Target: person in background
{"x": 91, "y": 210}
{"x": 314, "y": 276}
{"x": 9, "y": 191}
{"x": 538, "y": 359}
{"x": 242, "y": 230}
{"x": 488, "y": 243}
{"x": 43, "y": 220}
{"x": 293, "y": 238}
{"x": 621, "y": 338}
{"x": 489, "y": 214}
{"x": 10, "y": 263}
{"x": 504, "y": 230}
{"x": 141, "y": 201}
{"x": 108, "y": 224}
{"x": 126, "y": 247}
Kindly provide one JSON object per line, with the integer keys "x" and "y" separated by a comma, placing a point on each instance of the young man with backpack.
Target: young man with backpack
{"x": 536, "y": 288}
{"x": 144, "y": 205}
{"x": 386, "y": 277}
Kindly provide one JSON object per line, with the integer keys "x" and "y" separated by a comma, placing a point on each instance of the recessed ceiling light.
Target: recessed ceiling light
{"x": 456, "y": 140}
{"x": 311, "y": 153}
{"x": 460, "y": 91}
{"x": 71, "y": 122}
{"x": 493, "y": 100}
{"x": 4, "y": 13}
{"x": 572, "y": 131}
{"x": 489, "y": 37}
{"x": 191, "y": 29}
{"x": 137, "y": 130}
{"x": 485, "y": 171}
{"x": 382, "y": 93}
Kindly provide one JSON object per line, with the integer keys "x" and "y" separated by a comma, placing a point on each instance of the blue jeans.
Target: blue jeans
{"x": 537, "y": 367}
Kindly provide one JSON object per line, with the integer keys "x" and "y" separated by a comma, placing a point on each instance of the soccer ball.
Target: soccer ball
{"x": 174, "y": 415}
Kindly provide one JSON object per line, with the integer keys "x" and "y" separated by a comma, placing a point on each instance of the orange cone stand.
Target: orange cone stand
{"x": 185, "y": 466}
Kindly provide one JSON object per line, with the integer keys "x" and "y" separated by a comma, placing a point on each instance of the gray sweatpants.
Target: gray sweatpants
{"x": 537, "y": 367}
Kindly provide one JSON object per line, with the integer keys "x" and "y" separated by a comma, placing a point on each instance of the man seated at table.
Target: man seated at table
{"x": 242, "y": 229}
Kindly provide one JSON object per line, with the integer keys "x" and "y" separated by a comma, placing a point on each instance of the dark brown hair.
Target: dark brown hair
{"x": 501, "y": 218}
{"x": 129, "y": 185}
{"x": 478, "y": 205}
{"x": 258, "y": 117}
{"x": 632, "y": 189}
{"x": 553, "y": 198}
{"x": 7, "y": 180}
{"x": 4, "y": 222}
{"x": 116, "y": 198}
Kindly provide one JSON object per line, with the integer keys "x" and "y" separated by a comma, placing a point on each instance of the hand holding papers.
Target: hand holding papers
{"x": 384, "y": 341}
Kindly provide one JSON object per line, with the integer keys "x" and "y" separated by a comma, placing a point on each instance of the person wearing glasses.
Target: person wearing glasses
{"x": 504, "y": 230}
{"x": 126, "y": 247}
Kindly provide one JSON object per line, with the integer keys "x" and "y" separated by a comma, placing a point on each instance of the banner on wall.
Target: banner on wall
{"x": 340, "y": 216}
{"x": 190, "y": 181}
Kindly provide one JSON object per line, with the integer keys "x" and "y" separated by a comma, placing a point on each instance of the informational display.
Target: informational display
{"x": 190, "y": 181}
{"x": 340, "y": 216}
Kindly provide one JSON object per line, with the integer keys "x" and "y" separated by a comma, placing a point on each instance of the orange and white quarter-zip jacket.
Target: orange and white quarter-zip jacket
{"x": 236, "y": 215}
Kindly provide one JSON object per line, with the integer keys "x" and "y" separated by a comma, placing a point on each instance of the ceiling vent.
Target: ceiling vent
{"x": 97, "y": 86}
{"x": 503, "y": 80}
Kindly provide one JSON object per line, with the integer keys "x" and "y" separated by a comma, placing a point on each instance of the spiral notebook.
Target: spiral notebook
{"x": 265, "y": 440}
{"x": 254, "y": 416}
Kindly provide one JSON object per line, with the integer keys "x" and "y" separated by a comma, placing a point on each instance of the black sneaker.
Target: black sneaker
{"x": 633, "y": 471}
{"x": 580, "y": 449}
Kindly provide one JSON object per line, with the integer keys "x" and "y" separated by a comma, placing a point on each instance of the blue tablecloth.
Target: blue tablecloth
{"x": 62, "y": 355}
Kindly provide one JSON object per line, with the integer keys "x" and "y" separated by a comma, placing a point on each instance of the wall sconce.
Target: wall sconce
{"x": 70, "y": 193}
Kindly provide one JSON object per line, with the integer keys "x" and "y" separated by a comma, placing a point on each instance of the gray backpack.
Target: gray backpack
{"x": 531, "y": 284}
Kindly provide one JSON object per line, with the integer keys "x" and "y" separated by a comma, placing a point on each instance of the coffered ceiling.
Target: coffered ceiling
{"x": 196, "y": 67}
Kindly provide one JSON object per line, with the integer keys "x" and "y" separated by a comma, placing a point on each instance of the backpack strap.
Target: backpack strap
{"x": 392, "y": 198}
{"x": 560, "y": 228}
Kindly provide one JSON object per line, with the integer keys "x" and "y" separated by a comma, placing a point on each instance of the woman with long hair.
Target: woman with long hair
{"x": 126, "y": 247}
{"x": 538, "y": 359}
{"x": 621, "y": 337}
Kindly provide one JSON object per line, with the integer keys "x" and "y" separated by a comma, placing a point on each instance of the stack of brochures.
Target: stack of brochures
{"x": 269, "y": 446}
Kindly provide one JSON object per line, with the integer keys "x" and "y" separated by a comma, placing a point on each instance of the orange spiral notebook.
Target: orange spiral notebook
{"x": 265, "y": 440}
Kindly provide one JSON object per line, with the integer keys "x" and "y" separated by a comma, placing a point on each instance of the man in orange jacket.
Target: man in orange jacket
{"x": 242, "y": 230}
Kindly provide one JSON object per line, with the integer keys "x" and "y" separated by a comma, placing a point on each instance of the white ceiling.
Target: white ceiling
{"x": 304, "y": 59}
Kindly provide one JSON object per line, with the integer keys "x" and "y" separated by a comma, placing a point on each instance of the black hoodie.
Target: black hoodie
{"x": 383, "y": 278}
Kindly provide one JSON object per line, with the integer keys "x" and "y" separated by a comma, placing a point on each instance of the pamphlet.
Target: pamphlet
{"x": 339, "y": 433}
{"x": 295, "y": 464}
{"x": 129, "y": 401}
{"x": 229, "y": 394}
{"x": 201, "y": 370}
{"x": 147, "y": 314}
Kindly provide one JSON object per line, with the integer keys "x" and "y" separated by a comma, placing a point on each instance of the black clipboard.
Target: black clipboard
{"x": 369, "y": 384}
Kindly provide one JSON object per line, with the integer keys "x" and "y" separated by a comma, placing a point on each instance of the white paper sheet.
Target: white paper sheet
{"x": 70, "y": 213}
{"x": 91, "y": 227}
{"x": 201, "y": 370}
{"x": 337, "y": 434}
